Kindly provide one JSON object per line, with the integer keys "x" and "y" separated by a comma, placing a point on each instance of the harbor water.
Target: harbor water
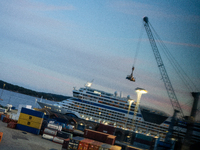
{"x": 15, "y": 99}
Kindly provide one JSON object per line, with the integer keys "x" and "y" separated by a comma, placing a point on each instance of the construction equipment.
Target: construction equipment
{"x": 130, "y": 77}
{"x": 172, "y": 96}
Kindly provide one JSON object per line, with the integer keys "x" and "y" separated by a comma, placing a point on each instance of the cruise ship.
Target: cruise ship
{"x": 113, "y": 109}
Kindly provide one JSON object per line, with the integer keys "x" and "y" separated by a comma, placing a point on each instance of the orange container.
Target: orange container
{"x": 1, "y": 135}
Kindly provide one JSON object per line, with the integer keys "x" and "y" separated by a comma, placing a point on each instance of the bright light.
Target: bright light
{"x": 141, "y": 90}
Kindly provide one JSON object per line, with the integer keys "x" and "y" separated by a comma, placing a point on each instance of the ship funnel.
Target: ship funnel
{"x": 115, "y": 93}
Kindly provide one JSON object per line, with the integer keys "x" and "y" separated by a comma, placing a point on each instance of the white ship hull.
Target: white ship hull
{"x": 98, "y": 106}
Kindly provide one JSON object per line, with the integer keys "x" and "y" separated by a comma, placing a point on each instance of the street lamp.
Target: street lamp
{"x": 130, "y": 101}
{"x": 139, "y": 92}
{"x": 99, "y": 116}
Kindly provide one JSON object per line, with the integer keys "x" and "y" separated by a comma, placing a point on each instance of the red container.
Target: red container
{"x": 11, "y": 125}
{"x": 84, "y": 144}
{"x": 94, "y": 145}
{"x": 95, "y": 135}
{"x": 1, "y": 135}
{"x": 65, "y": 143}
{"x": 6, "y": 119}
{"x": 106, "y": 129}
{"x": 110, "y": 139}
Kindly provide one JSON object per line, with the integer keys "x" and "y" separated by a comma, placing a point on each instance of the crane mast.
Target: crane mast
{"x": 163, "y": 72}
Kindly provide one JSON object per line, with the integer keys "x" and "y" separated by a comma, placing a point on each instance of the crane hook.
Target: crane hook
{"x": 130, "y": 77}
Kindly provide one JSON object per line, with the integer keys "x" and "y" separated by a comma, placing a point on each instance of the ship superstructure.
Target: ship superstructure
{"x": 99, "y": 106}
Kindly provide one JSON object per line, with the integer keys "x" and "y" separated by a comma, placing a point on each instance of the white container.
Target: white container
{"x": 54, "y": 126}
{"x": 48, "y": 137}
{"x": 22, "y": 105}
{"x": 58, "y": 140}
{"x": 14, "y": 116}
{"x": 50, "y": 131}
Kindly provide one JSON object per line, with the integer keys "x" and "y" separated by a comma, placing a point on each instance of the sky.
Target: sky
{"x": 52, "y": 46}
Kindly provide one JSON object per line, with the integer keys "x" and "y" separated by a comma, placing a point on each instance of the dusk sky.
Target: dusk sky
{"x": 53, "y": 46}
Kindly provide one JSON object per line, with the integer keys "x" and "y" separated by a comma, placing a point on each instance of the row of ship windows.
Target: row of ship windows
{"x": 92, "y": 108}
{"x": 121, "y": 105}
{"x": 115, "y": 105}
{"x": 109, "y": 101}
{"x": 106, "y": 117}
{"x": 141, "y": 123}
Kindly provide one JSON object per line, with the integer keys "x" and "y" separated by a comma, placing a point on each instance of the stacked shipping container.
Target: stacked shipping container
{"x": 106, "y": 129}
{"x": 54, "y": 133}
{"x": 30, "y": 120}
{"x": 80, "y": 143}
{"x": 99, "y": 136}
{"x": 144, "y": 141}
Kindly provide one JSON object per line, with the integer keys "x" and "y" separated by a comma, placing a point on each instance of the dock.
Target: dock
{"x": 14, "y": 139}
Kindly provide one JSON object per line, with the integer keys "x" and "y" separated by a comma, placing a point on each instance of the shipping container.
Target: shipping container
{"x": 69, "y": 127}
{"x": 142, "y": 141}
{"x": 95, "y": 135}
{"x": 50, "y": 131}
{"x": 84, "y": 144}
{"x": 30, "y": 118}
{"x": 29, "y": 123}
{"x": 27, "y": 129}
{"x": 54, "y": 126}
{"x": 74, "y": 142}
{"x": 65, "y": 143}
{"x": 32, "y": 112}
{"x": 80, "y": 127}
{"x": 64, "y": 135}
{"x": 2, "y": 116}
{"x": 132, "y": 148}
{"x": 6, "y": 120}
{"x": 115, "y": 147}
{"x": 105, "y": 147}
{"x": 106, "y": 129}
{"x": 1, "y": 136}
{"x": 48, "y": 137}
{"x": 110, "y": 139}
{"x": 12, "y": 125}
{"x": 141, "y": 145}
{"x": 94, "y": 145}
{"x": 143, "y": 137}
{"x": 164, "y": 144}
{"x": 58, "y": 140}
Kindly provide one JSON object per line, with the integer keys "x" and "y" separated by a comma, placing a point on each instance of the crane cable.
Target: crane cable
{"x": 138, "y": 46}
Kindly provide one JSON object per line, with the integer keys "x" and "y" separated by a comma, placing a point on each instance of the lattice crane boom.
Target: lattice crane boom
{"x": 163, "y": 72}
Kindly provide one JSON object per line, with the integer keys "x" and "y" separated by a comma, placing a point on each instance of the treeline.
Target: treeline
{"x": 18, "y": 89}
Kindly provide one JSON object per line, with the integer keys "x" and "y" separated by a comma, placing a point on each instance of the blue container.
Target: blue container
{"x": 81, "y": 127}
{"x": 28, "y": 129}
{"x": 2, "y": 116}
{"x": 32, "y": 112}
{"x": 63, "y": 125}
{"x": 13, "y": 108}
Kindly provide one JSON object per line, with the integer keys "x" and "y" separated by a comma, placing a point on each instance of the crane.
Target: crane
{"x": 171, "y": 94}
